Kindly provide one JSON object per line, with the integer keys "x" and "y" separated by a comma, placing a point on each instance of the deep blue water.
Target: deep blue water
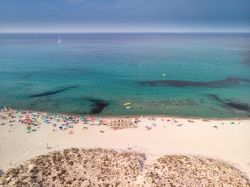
{"x": 98, "y": 73}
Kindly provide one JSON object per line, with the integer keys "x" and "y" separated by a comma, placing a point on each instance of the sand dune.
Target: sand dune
{"x": 99, "y": 167}
{"x": 178, "y": 170}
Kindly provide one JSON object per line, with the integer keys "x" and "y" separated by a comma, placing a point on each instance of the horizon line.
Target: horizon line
{"x": 128, "y": 32}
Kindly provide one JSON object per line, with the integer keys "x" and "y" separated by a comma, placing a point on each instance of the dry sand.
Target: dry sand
{"x": 226, "y": 140}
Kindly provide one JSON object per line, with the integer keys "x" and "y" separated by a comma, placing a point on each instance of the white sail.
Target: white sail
{"x": 59, "y": 41}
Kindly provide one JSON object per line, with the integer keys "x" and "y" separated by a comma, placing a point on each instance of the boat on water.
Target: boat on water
{"x": 59, "y": 41}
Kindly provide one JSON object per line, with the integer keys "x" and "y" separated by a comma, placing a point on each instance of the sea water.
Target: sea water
{"x": 89, "y": 71}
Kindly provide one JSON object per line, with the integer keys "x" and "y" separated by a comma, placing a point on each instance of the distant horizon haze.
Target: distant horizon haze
{"x": 124, "y": 16}
{"x": 122, "y": 29}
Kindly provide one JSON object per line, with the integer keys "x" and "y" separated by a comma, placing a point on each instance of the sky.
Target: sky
{"x": 124, "y": 15}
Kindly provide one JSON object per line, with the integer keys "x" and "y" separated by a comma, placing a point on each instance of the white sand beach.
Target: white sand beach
{"x": 226, "y": 140}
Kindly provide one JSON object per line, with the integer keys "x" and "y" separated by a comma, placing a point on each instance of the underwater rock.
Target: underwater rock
{"x": 97, "y": 105}
{"x": 246, "y": 57}
{"x": 231, "y": 103}
{"x": 230, "y": 81}
{"x": 26, "y": 76}
{"x": 179, "y": 102}
{"x": 52, "y": 92}
{"x": 238, "y": 106}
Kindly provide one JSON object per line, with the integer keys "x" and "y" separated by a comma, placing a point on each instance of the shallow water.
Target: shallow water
{"x": 101, "y": 72}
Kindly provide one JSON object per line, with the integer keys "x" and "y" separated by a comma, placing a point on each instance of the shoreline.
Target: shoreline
{"x": 133, "y": 116}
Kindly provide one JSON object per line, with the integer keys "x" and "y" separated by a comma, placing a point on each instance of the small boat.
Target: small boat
{"x": 125, "y": 104}
{"x": 59, "y": 41}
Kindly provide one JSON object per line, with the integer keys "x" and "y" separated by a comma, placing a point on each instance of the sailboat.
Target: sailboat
{"x": 59, "y": 41}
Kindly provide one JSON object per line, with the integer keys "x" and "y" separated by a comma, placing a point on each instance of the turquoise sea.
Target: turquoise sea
{"x": 198, "y": 75}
